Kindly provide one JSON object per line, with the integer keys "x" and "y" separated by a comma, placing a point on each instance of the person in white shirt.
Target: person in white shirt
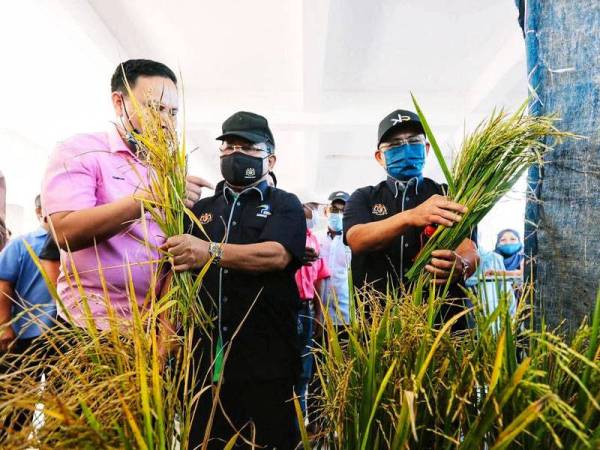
{"x": 337, "y": 256}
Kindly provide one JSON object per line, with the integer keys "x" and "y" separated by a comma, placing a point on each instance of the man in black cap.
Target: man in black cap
{"x": 337, "y": 256}
{"x": 256, "y": 236}
{"x": 386, "y": 225}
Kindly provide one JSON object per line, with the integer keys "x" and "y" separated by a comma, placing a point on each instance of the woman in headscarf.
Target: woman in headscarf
{"x": 510, "y": 247}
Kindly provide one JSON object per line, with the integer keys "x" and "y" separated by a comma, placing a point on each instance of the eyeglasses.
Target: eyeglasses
{"x": 398, "y": 142}
{"x": 227, "y": 148}
{"x": 335, "y": 209}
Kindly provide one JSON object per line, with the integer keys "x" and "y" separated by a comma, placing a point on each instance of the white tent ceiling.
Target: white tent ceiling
{"x": 324, "y": 72}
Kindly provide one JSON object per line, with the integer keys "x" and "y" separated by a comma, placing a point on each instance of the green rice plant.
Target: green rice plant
{"x": 491, "y": 160}
{"x": 113, "y": 388}
{"x": 104, "y": 389}
{"x": 166, "y": 155}
{"x": 401, "y": 379}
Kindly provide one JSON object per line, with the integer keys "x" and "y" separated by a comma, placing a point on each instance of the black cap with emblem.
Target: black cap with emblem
{"x": 339, "y": 195}
{"x": 246, "y": 125}
{"x": 398, "y": 120}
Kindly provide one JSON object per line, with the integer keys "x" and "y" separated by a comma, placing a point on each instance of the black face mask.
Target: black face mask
{"x": 240, "y": 169}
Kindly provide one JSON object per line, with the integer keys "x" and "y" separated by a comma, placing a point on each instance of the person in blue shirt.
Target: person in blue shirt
{"x": 26, "y": 307}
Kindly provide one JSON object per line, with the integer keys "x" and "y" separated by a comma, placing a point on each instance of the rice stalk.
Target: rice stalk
{"x": 491, "y": 160}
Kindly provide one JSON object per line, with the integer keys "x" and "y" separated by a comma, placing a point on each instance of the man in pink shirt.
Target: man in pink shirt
{"x": 92, "y": 192}
{"x": 309, "y": 279}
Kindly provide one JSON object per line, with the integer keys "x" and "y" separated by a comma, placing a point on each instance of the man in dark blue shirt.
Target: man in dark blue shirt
{"x": 255, "y": 235}
{"x": 387, "y": 224}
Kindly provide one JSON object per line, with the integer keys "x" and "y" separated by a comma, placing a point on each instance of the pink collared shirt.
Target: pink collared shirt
{"x": 90, "y": 170}
{"x": 307, "y": 276}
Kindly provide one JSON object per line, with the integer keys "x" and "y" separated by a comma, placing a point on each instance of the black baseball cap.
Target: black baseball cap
{"x": 394, "y": 121}
{"x": 246, "y": 125}
{"x": 339, "y": 195}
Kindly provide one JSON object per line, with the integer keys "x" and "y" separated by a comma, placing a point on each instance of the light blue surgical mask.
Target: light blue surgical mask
{"x": 507, "y": 250}
{"x": 405, "y": 161}
{"x": 335, "y": 222}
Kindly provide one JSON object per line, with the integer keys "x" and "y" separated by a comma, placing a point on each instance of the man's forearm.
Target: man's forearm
{"x": 7, "y": 293}
{"x": 80, "y": 229}
{"x": 368, "y": 237}
{"x": 262, "y": 257}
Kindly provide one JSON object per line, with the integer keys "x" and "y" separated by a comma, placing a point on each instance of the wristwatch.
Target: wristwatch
{"x": 215, "y": 250}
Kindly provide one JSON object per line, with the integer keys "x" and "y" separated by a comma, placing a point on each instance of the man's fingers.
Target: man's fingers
{"x": 192, "y": 187}
{"x": 442, "y": 264}
{"x": 180, "y": 260}
{"x": 439, "y": 273}
{"x": 200, "y": 181}
{"x": 173, "y": 241}
{"x": 453, "y": 206}
{"x": 439, "y": 220}
{"x": 446, "y": 214}
{"x": 181, "y": 268}
{"x": 444, "y": 254}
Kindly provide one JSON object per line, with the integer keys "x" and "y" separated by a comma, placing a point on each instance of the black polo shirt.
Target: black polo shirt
{"x": 266, "y": 345}
{"x": 373, "y": 203}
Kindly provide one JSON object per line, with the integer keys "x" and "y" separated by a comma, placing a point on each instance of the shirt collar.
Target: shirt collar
{"x": 229, "y": 194}
{"x": 398, "y": 187}
{"x": 39, "y": 232}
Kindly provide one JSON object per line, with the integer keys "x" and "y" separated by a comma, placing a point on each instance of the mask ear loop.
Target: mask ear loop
{"x": 129, "y": 137}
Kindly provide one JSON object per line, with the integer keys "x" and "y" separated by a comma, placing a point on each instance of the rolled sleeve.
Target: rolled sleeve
{"x": 323, "y": 270}
{"x": 70, "y": 180}
{"x": 10, "y": 261}
{"x": 287, "y": 225}
{"x": 357, "y": 211}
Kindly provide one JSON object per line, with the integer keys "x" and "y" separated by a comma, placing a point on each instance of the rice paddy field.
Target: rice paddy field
{"x": 397, "y": 378}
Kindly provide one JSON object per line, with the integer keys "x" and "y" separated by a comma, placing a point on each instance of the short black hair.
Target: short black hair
{"x": 132, "y": 69}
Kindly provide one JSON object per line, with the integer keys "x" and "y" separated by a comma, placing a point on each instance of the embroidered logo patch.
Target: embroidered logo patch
{"x": 400, "y": 119}
{"x": 264, "y": 210}
{"x": 250, "y": 172}
{"x": 205, "y": 218}
{"x": 379, "y": 210}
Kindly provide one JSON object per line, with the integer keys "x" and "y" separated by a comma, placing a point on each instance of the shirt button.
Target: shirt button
{"x": 225, "y": 299}
{"x": 406, "y": 244}
{"x": 234, "y": 223}
{"x": 225, "y": 271}
{"x": 225, "y": 329}
{"x": 239, "y": 204}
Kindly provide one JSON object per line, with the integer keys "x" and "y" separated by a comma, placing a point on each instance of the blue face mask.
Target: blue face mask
{"x": 405, "y": 161}
{"x": 335, "y": 222}
{"x": 507, "y": 250}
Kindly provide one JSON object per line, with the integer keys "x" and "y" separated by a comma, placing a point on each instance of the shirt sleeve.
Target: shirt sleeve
{"x": 50, "y": 251}
{"x": 10, "y": 260}
{"x": 357, "y": 211}
{"x": 323, "y": 271}
{"x": 70, "y": 180}
{"x": 287, "y": 225}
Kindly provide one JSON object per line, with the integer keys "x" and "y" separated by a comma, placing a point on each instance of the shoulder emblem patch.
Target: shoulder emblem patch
{"x": 205, "y": 218}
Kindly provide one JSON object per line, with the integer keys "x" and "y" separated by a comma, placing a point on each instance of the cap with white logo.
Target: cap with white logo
{"x": 397, "y": 120}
